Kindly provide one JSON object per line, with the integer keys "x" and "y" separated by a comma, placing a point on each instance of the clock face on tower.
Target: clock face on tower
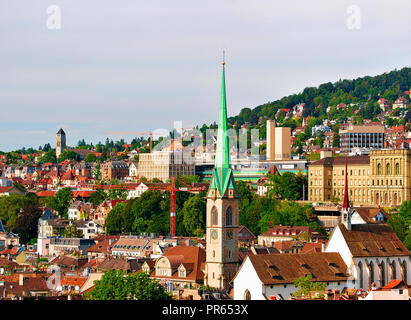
{"x": 214, "y": 234}
{"x": 229, "y": 235}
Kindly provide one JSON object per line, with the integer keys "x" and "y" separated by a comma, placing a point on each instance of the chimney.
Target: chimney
{"x": 21, "y": 279}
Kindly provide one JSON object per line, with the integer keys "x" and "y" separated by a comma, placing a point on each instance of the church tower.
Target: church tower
{"x": 222, "y": 210}
{"x": 60, "y": 142}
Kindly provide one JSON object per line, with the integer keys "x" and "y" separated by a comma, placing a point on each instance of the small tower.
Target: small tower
{"x": 60, "y": 142}
{"x": 222, "y": 211}
{"x": 346, "y": 210}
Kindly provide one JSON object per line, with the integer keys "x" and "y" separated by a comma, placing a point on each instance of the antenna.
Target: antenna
{"x": 223, "y": 57}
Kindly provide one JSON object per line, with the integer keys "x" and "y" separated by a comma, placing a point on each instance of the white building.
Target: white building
{"x": 372, "y": 252}
{"x": 272, "y": 276}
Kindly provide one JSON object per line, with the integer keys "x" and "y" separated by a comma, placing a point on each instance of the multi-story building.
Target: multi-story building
{"x": 382, "y": 178}
{"x": 278, "y": 142}
{"x": 362, "y": 136}
{"x": 163, "y": 165}
{"x": 114, "y": 170}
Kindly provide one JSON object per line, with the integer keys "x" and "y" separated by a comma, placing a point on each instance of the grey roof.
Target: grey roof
{"x": 61, "y": 131}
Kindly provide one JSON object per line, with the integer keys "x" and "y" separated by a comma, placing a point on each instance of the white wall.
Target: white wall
{"x": 247, "y": 278}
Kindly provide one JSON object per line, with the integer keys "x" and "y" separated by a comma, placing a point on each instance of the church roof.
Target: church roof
{"x": 61, "y": 131}
{"x": 287, "y": 267}
{"x": 373, "y": 240}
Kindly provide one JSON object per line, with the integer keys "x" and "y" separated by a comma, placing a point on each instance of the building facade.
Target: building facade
{"x": 163, "y": 165}
{"x": 381, "y": 179}
{"x": 363, "y": 137}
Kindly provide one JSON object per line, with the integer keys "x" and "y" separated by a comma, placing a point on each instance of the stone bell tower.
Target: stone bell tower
{"x": 222, "y": 210}
{"x": 60, "y": 142}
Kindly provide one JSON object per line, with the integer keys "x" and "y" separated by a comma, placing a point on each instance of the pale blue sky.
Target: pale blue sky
{"x": 139, "y": 65}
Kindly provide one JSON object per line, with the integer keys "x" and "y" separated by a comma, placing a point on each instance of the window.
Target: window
{"x": 397, "y": 168}
{"x": 214, "y": 216}
{"x": 387, "y": 169}
{"x": 379, "y": 168}
{"x": 229, "y": 216}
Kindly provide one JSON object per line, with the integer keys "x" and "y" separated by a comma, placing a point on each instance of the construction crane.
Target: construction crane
{"x": 173, "y": 195}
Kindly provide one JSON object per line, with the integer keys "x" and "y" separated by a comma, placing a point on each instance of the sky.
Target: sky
{"x": 132, "y": 65}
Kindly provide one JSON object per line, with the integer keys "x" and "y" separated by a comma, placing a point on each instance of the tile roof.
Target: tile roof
{"x": 191, "y": 256}
{"x": 286, "y": 268}
{"x": 373, "y": 240}
{"x": 332, "y": 161}
{"x": 286, "y": 229}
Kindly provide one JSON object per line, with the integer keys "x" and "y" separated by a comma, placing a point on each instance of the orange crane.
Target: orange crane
{"x": 172, "y": 188}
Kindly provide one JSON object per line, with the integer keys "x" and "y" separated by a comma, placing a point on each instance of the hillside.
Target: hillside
{"x": 363, "y": 92}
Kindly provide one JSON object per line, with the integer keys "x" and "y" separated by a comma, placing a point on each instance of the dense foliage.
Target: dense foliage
{"x": 117, "y": 285}
{"x": 400, "y": 222}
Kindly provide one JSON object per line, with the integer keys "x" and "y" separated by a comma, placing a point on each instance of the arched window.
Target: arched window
{"x": 229, "y": 217}
{"x": 387, "y": 169}
{"x": 247, "y": 295}
{"x": 404, "y": 271}
{"x": 397, "y": 168}
{"x": 371, "y": 272}
{"x": 360, "y": 275}
{"x": 214, "y": 216}
{"x": 393, "y": 271}
{"x": 382, "y": 273}
{"x": 379, "y": 168}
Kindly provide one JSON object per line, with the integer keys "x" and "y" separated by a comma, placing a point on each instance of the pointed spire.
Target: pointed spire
{"x": 222, "y": 174}
{"x": 346, "y": 202}
{"x": 222, "y": 157}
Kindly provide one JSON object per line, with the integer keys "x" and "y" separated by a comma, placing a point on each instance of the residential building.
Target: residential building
{"x": 180, "y": 267}
{"x": 114, "y": 170}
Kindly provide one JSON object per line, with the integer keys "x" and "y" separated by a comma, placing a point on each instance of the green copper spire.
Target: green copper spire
{"x": 222, "y": 174}
{"x": 222, "y": 157}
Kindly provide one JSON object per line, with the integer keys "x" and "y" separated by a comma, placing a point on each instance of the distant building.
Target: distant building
{"x": 114, "y": 170}
{"x": 362, "y": 136}
{"x": 278, "y": 142}
{"x": 163, "y": 165}
{"x": 60, "y": 142}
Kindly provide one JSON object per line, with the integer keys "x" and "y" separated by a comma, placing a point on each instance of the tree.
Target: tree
{"x": 194, "y": 211}
{"x": 90, "y": 158}
{"x": 400, "y": 223}
{"x": 97, "y": 197}
{"x": 117, "y": 285}
{"x": 26, "y": 222}
{"x": 305, "y": 286}
{"x": 68, "y": 155}
{"x": 62, "y": 200}
{"x": 286, "y": 186}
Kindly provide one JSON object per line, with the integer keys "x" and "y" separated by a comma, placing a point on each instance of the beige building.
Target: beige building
{"x": 163, "y": 165}
{"x": 381, "y": 179}
{"x": 270, "y": 132}
{"x": 278, "y": 142}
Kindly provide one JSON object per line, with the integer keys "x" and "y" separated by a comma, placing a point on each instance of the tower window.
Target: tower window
{"x": 214, "y": 216}
{"x": 229, "y": 216}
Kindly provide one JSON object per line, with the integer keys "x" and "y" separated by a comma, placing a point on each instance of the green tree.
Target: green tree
{"x": 90, "y": 158}
{"x": 26, "y": 222}
{"x": 97, "y": 197}
{"x": 305, "y": 286}
{"x": 61, "y": 201}
{"x": 194, "y": 211}
{"x": 117, "y": 285}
